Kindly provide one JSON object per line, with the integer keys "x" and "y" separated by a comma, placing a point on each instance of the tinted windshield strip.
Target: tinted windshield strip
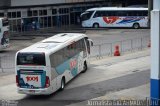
{"x": 31, "y": 59}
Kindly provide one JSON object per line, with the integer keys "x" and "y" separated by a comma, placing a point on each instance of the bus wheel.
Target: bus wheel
{"x": 136, "y": 25}
{"x": 62, "y": 83}
{"x": 85, "y": 67}
{"x": 95, "y": 25}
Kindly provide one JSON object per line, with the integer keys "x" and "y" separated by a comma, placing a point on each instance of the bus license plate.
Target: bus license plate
{"x": 32, "y": 91}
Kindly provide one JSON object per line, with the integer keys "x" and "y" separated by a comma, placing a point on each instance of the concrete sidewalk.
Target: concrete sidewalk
{"x": 126, "y": 64}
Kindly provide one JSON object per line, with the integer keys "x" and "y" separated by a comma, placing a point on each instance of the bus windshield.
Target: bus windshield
{"x": 87, "y": 15}
{"x": 31, "y": 59}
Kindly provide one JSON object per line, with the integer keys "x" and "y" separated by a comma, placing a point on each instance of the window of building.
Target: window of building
{"x": 63, "y": 10}
{"x": 35, "y": 13}
{"x": 9, "y": 14}
{"x": 18, "y": 14}
{"x": 42, "y": 12}
{"x": 1, "y": 14}
{"x": 54, "y": 11}
{"x": 29, "y": 12}
{"x": 14, "y": 14}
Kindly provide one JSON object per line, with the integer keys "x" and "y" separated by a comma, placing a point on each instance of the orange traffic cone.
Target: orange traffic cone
{"x": 117, "y": 52}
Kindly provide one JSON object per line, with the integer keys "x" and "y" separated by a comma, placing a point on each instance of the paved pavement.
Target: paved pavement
{"x": 126, "y": 76}
{"x": 140, "y": 93}
{"x": 130, "y": 63}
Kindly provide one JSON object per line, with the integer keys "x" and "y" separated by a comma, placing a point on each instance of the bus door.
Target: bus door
{"x": 89, "y": 44}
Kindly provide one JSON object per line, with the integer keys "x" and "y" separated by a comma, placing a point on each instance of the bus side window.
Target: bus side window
{"x": 57, "y": 58}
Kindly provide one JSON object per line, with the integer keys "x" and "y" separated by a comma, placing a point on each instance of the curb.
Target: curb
{"x": 21, "y": 38}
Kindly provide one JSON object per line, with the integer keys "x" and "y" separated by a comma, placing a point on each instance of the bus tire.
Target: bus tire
{"x": 95, "y": 25}
{"x": 85, "y": 67}
{"x": 136, "y": 26}
{"x": 62, "y": 83}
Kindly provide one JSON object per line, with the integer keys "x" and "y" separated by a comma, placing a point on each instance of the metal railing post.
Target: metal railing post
{"x": 141, "y": 43}
{"x": 99, "y": 51}
{"x": 121, "y": 46}
{"x": 1, "y": 64}
{"x": 131, "y": 45}
{"x": 111, "y": 49}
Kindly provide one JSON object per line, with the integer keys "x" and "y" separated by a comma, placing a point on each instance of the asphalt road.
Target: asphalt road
{"x": 86, "y": 92}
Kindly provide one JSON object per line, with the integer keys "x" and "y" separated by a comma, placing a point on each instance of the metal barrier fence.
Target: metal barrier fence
{"x": 107, "y": 49}
{"x": 7, "y": 63}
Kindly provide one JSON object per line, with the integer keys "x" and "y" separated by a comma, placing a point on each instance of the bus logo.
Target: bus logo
{"x": 32, "y": 78}
{"x": 73, "y": 63}
{"x": 110, "y": 20}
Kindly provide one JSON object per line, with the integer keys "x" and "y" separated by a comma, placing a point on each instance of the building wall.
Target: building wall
{"x": 4, "y": 3}
{"x": 44, "y": 2}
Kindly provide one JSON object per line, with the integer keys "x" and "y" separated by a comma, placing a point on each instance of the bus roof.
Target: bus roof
{"x": 54, "y": 43}
{"x": 116, "y": 8}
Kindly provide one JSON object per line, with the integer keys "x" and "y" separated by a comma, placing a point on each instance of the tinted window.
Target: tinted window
{"x": 137, "y": 13}
{"x": 68, "y": 52}
{"x": 57, "y": 58}
{"x": 99, "y": 14}
{"x": 122, "y": 13}
{"x": 86, "y": 16}
{"x": 145, "y": 13}
{"x": 105, "y": 13}
{"x": 31, "y": 59}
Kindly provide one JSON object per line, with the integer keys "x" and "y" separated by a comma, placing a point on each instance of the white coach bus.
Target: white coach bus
{"x": 115, "y": 17}
{"x": 4, "y": 33}
{"x": 48, "y": 65}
